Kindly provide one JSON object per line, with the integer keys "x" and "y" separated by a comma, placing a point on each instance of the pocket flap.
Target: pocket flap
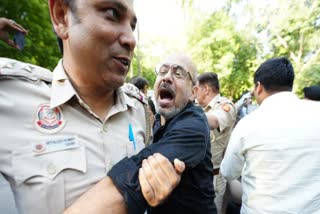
{"x": 28, "y": 164}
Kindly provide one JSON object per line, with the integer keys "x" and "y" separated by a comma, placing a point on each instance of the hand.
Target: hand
{"x": 158, "y": 177}
{"x": 7, "y": 25}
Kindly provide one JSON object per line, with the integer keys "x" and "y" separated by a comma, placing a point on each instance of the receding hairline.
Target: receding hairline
{"x": 184, "y": 60}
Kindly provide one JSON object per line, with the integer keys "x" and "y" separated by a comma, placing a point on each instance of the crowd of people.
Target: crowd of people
{"x": 90, "y": 143}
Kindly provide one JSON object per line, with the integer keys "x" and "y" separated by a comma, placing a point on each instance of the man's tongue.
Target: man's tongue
{"x": 166, "y": 98}
{"x": 166, "y": 102}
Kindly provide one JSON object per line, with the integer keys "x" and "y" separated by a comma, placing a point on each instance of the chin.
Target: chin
{"x": 168, "y": 113}
{"x": 115, "y": 82}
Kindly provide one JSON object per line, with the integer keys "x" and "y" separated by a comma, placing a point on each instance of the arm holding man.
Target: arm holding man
{"x": 72, "y": 127}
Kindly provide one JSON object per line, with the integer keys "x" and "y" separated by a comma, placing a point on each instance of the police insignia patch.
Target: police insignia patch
{"x": 226, "y": 107}
{"x": 48, "y": 120}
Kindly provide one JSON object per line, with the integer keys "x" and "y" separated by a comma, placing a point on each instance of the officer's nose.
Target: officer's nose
{"x": 127, "y": 39}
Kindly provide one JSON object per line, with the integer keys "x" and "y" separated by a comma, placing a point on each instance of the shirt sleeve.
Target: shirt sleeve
{"x": 233, "y": 161}
{"x": 186, "y": 140}
{"x": 226, "y": 114}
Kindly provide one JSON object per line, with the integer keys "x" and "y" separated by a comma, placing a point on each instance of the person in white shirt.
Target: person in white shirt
{"x": 275, "y": 149}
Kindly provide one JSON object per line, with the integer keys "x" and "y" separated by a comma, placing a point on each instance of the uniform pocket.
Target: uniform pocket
{"x": 39, "y": 176}
{"x": 28, "y": 164}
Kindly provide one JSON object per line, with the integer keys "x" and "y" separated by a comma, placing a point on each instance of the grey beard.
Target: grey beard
{"x": 169, "y": 114}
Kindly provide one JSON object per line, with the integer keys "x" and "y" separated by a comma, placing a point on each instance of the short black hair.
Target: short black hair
{"x": 139, "y": 82}
{"x": 210, "y": 79}
{"x": 312, "y": 92}
{"x": 275, "y": 74}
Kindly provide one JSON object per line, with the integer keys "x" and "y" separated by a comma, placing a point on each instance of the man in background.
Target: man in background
{"x": 275, "y": 149}
{"x": 141, "y": 83}
{"x": 221, "y": 114}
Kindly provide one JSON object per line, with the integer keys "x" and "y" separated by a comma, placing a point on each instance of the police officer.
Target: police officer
{"x": 221, "y": 114}
{"x": 61, "y": 132}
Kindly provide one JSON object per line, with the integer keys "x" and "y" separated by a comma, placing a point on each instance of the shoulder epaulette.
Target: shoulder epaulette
{"x": 223, "y": 100}
{"x": 11, "y": 67}
{"x": 132, "y": 91}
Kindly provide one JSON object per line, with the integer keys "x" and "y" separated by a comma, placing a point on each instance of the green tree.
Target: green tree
{"x": 291, "y": 29}
{"x": 218, "y": 47}
{"x": 41, "y": 44}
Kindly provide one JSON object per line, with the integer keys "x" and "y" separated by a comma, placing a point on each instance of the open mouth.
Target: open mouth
{"x": 166, "y": 96}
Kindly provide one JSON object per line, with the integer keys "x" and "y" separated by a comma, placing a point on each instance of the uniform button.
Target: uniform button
{"x": 105, "y": 128}
{"x": 51, "y": 169}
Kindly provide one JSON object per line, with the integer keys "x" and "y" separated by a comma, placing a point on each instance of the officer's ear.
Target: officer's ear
{"x": 59, "y": 13}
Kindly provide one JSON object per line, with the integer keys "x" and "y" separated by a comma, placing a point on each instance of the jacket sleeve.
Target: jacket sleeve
{"x": 187, "y": 140}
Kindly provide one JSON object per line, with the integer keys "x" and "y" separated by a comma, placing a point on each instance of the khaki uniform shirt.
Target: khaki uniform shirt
{"x": 53, "y": 147}
{"x": 226, "y": 113}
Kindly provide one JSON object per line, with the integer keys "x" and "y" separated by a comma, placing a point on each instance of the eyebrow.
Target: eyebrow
{"x": 124, "y": 9}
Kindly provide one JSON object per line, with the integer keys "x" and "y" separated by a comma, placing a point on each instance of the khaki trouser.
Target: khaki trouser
{"x": 220, "y": 188}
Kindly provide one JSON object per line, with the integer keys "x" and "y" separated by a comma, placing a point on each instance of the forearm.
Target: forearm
{"x": 103, "y": 197}
{"x": 232, "y": 163}
{"x": 213, "y": 121}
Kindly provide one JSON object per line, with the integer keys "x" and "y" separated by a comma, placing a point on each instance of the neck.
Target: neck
{"x": 162, "y": 120}
{"x": 99, "y": 103}
{"x": 100, "y": 99}
{"x": 210, "y": 97}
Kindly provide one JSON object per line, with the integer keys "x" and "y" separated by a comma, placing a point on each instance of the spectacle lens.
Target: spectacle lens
{"x": 177, "y": 71}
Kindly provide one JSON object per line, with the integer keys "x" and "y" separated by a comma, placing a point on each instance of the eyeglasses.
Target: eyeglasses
{"x": 177, "y": 71}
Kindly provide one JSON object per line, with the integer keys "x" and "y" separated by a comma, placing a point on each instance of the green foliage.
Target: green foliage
{"x": 146, "y": 72}
{"x": 216, "y": 46}
{"x": 310, "y": 76}
{"x": 292, "y": 29}
{"x": 229, "y": 43}
{"x": 259, "y": 30}
{"x": 41, "y": 44}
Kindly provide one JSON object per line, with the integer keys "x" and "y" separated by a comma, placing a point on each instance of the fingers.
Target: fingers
{"x": 7, "y": 25}
{"x": 146, "y": 189}
{"x": 171, "y": 176}
{"x": 148, "y": 183}
{"x": 11, "y": 43}
{"x": 158, "y": 178}
{"x": 5, "y": 37}
{"x": 179, "y": 166}
{"x": 17, "y": 27}
{"x": 164, "y": 164}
